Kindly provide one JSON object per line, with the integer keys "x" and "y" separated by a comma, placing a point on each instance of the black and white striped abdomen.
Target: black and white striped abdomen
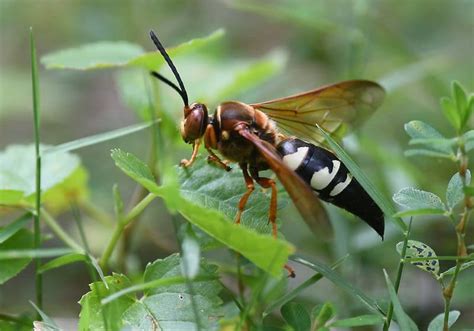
{"x": 329, "y": 177}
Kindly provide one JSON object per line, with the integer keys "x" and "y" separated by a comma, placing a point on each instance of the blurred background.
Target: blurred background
{"x": 413, "y": 48}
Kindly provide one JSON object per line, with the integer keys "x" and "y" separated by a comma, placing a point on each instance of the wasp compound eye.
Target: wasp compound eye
{"x": 194, "y": 124}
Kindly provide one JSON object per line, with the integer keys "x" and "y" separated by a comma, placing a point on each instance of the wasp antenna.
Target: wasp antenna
{"x": 167, "y": 82}
{"x": 181, "y": 90}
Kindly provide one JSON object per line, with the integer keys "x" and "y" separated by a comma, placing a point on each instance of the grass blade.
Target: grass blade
{"x": 62, "y": 261}
{"x": 34, "y": 253}
{"x": 98, "y": 138}
{"x": 355, "y": 170}
{"x": 339, "y": 281}
{"x": 37, "y": 216}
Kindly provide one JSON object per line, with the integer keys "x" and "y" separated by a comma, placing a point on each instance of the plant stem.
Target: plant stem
{"x": 120, "y": 226}
{"x": 37, "y": 227}
{"x": 59, "y": 232}
{"x": 399, "y": 276}
{"x": 460, "y": 235}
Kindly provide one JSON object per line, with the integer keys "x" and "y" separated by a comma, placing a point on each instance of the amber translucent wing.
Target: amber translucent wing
{"x": 303, "y": 197}
{"x": 335, "y": 108}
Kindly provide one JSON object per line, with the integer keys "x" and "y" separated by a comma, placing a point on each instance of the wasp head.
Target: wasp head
{"x": 194, "y": 123}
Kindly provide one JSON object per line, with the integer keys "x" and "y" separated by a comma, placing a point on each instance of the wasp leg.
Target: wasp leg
{"x": 186, "y": 163}
{"x": 270, "y": 183}
{"x": 245, "y": 197}
{"x": 213, "y": 158}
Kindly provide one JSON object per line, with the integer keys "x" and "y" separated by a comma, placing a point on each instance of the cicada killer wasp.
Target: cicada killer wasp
{"x": 248, "y": 135}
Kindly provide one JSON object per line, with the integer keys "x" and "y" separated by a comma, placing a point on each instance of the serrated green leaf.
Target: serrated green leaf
{"x": 437, "y": 323}
{"x": 414, "y": 199}
{"x": 418, "y": 249}
{"x": 93, "y": 312}
{"x": 15, "y": 226}
{"x": 107, "y": 54}
{"x": 361, "y": 320}
{"x": 104, "y": 54}
{"x": 22, "y": 239}
{"x": 264, "y": 251}
{"x": 450, "y": 112}
{"x": 339, "y": 281}
{"x": 421, "y": 130}
{"x": 455, "y": 190}
{"x": 171, "y": 307}
{"x": 321, "y": 314}
{"x": 296, "y": 316}
{"x": 214, "y": 188}
{"x": 404, "y": 321}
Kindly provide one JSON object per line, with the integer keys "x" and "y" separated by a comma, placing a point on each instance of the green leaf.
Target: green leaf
{"x": 107, "y": 54}
{"x": 418, "y": 249}
{"x": 22, "y": 239}
{"x": 171, "y": 307}
{"x": 426, "y": 152}
{"x": 93, "y": 312}
{"x": 455, "y": 190}
{"x": 450, "y": 112}
{"x": 460, "y": 99}
{"x": 469, "y": 140}
{"x": 191, "y": 254}
{"x": 264, "y": 251}
{"x": 62, "y": 261}
{"x": 361, "y": 320}
{"x": 363, "y": 180}
{"x": 17, "y": 168}
{"x": 296, "y": 316}
{"x": 11, "y": 197}
{"x": 47, "y": 323}
{"x": 14, "y": 227}
{"x": 414, "y": 199}
{"x": 421, "y": 130}
{"x": 321, "y": 314}
{"x": 340, "y": 282}
{"x": 450, "y": 271}
{"x": 404, "y": 321}
{"x": 251, "y": 76}
{"x": 437, "y": 323}
{"x": 213, "y": 188}
{"x": 97, "y": 138}
{"x": 97, "y": 55}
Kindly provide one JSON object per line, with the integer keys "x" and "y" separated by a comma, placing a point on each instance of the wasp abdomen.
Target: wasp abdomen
{"x": 330, "y": 178}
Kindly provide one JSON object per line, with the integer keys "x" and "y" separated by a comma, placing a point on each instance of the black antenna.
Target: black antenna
{"x": 181, "y": 90}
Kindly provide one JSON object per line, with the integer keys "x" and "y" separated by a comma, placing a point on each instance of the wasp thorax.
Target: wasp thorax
{"x": 194, "y": 122}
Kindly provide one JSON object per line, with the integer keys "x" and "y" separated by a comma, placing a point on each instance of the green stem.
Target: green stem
{"x": 460, "y": 235}
{"x": 399, "y": 276}
{"x": 120, "y": 226}
{"x": 59, "y": 232}
{"x": 37, "y": 227}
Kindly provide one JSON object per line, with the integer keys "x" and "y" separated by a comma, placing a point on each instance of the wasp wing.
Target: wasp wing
{"x": 334, "y": 108}
{"x": 303, "y": 197}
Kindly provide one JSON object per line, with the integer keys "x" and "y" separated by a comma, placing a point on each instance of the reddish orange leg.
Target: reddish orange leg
{"x": 245, "y": 197}
{"x": 270, "y": 183}
{"x": 213, "y": 158}
{"x": 186, "y": 163}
